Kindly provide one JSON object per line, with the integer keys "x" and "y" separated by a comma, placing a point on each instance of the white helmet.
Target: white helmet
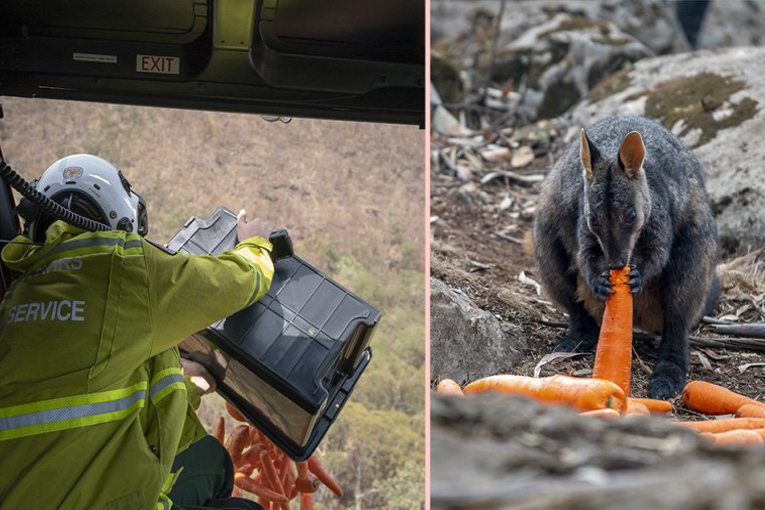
{"x": 94, "y": 188}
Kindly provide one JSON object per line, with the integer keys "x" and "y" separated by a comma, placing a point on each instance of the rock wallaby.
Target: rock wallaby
{"x": 629, "y": 192}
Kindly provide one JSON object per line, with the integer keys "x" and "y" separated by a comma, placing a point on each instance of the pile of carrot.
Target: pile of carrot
{"x": 265, "y": 471}
{"x": 607, "y": 394}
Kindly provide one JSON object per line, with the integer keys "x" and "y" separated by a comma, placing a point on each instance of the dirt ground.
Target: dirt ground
{"x": 481, "y": 249}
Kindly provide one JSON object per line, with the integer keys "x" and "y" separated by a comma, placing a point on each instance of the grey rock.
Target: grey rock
{"x": 466, "y": 342}
{"x": 558, "y": 62}
{"x": 651, "y": 22}
{"x": 712, "y": 100}
{"x": 733, "y": 23}
{"x": 496, "y": 451}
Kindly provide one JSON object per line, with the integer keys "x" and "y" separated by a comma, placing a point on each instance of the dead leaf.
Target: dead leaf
{"x": 743, "y": 368}
{"x": 523, "y": 156}
{"x": 496, "y": 154}
{"x": 530, "y": 282}
{"x": 703, "y": 359}
{"x": 552, "y": 357}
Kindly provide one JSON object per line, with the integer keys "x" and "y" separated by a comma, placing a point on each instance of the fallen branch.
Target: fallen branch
{"x": 752, "y": 330}
{"x": 744, "y": 344}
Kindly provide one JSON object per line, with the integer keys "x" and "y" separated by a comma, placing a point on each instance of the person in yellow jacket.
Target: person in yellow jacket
{"x": 95, "y": 412}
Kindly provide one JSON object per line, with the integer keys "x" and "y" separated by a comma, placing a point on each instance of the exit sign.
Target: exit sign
{"x": 158, "y": 64}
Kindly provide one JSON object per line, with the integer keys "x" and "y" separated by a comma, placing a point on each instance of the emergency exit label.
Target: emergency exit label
{"x": 158, "y": 64}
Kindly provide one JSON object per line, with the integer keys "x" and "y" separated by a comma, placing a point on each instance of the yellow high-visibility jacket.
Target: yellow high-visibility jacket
{"x": 93, "y": 404}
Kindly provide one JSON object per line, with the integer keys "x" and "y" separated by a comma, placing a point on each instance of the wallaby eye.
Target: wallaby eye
{"x": 630, "y": 216}
{"x": 594, "y": 220}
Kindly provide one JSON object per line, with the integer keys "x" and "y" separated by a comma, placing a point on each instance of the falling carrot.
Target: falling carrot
{"x": 601, "y": 413}
{"x": 750, "y": 411}
{"x": 653, "y": 405}
{"x": 306, "y": 501}
{"x": 709, "y": 398}
{"x": 220, "y": 430}
{"x": 244, "y": 482}
{"x": 635, "y": 407}
{"x": 737, "y": 437}
{"x": 449, "y": 387}
{"x": 269, "y": 471}
{"x": 613, "y": 358}
{"x": 236, "y": 441}
{"x": 315, "y": 467}
{"x": 307, "y": 485}
{"x": 584, "y": 394}
{"x": 234, "y": 412}
{"x": 717, "y": 426}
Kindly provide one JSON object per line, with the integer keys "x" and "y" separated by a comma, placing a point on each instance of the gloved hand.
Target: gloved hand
{"x": 199, "y": 375}
{"x": 246, "y": 229}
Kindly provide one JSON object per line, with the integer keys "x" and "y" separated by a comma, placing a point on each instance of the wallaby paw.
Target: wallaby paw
{"x": 569, "y": 344}
{"x": 667, "y": 381}
{"x": 636, "y": 281}
{"x": 602, "y": 287}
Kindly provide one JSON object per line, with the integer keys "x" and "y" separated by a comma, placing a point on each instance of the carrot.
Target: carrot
{"x": 601, "y": 413}
{"x": 449, "y": 387}
{"x": 220, "y": 430}
{"x": 315, "y": 467}
{"x": 302, "y": 469}
{"x": 270, "y": 474}
{"x": 241, "y": 480}
{"x": 584, "y": 394}
{"x": 236, "y": 441}
{"x": 750, "y": 411}
{"x": 613, "y": 357}
{"x": 717, "y": 426}
{"x": 289, "y": 486}
{"x": 307, "y": 484}
{"x": 235, "y": 414}
{"x": 237, "y": 492}
{"x": 635, "y": 407}
{"x": 653, "y": 405}
{"x": 738, "y": 437}
{"x": 306, "y": 501}
{"x": 246, "y": 469}
{"x": 709, "y": 398}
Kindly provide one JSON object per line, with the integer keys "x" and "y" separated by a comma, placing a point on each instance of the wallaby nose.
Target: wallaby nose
{"x": 617, "y": 266}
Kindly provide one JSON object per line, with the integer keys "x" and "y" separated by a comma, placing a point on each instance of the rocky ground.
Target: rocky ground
{"x": 499, "y": 124}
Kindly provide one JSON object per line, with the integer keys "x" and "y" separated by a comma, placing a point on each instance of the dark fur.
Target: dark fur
{"x": 674, "y": 237}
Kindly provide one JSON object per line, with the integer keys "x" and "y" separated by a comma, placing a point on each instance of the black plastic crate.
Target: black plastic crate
{"x": 290, "y": 361}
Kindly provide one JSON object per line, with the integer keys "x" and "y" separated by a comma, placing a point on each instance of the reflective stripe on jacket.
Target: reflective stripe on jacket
{"x": 93, "y": 404}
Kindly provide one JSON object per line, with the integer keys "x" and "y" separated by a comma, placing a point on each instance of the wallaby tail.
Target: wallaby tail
{"x": 714, "y": 294}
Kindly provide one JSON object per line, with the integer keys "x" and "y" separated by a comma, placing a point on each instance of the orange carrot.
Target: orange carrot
{"x": 307, "y": 484}
{"x": 449, "y": 387}
{"x": 717, "y": 426}
{"x": 709, "y": 398}
{"x": 235, "y": 414}
{"x": 315, "y": 467}
{"x": 236, "y": 441}
{"x": 220, "y": 430}
{"x": 613, "y": 357}
{"x": 584, "y": 394}
{"x": 306, "y": 501}
{"x": 737, "y": 437}
{"x": 302, "y": 469}
{"x": 289, "y": 486}
{"x": 750, "y": 411}
{"x": 601, "y": 413}
{"x": 241, "y": 480}
{"x": 635, "y": 407}
{"x": 653, "y": 405}
{"x": 269, "y": 471}
{"x": 246, "y": 469}
{"x": 237, "y": 492}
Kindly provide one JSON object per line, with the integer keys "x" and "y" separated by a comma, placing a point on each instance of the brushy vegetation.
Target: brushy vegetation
{"x": 352, "y": 197}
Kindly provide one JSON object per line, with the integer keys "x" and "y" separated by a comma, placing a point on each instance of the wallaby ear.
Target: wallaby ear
{"x": 631, "y": 154}
{"x": 586, "y": 156}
